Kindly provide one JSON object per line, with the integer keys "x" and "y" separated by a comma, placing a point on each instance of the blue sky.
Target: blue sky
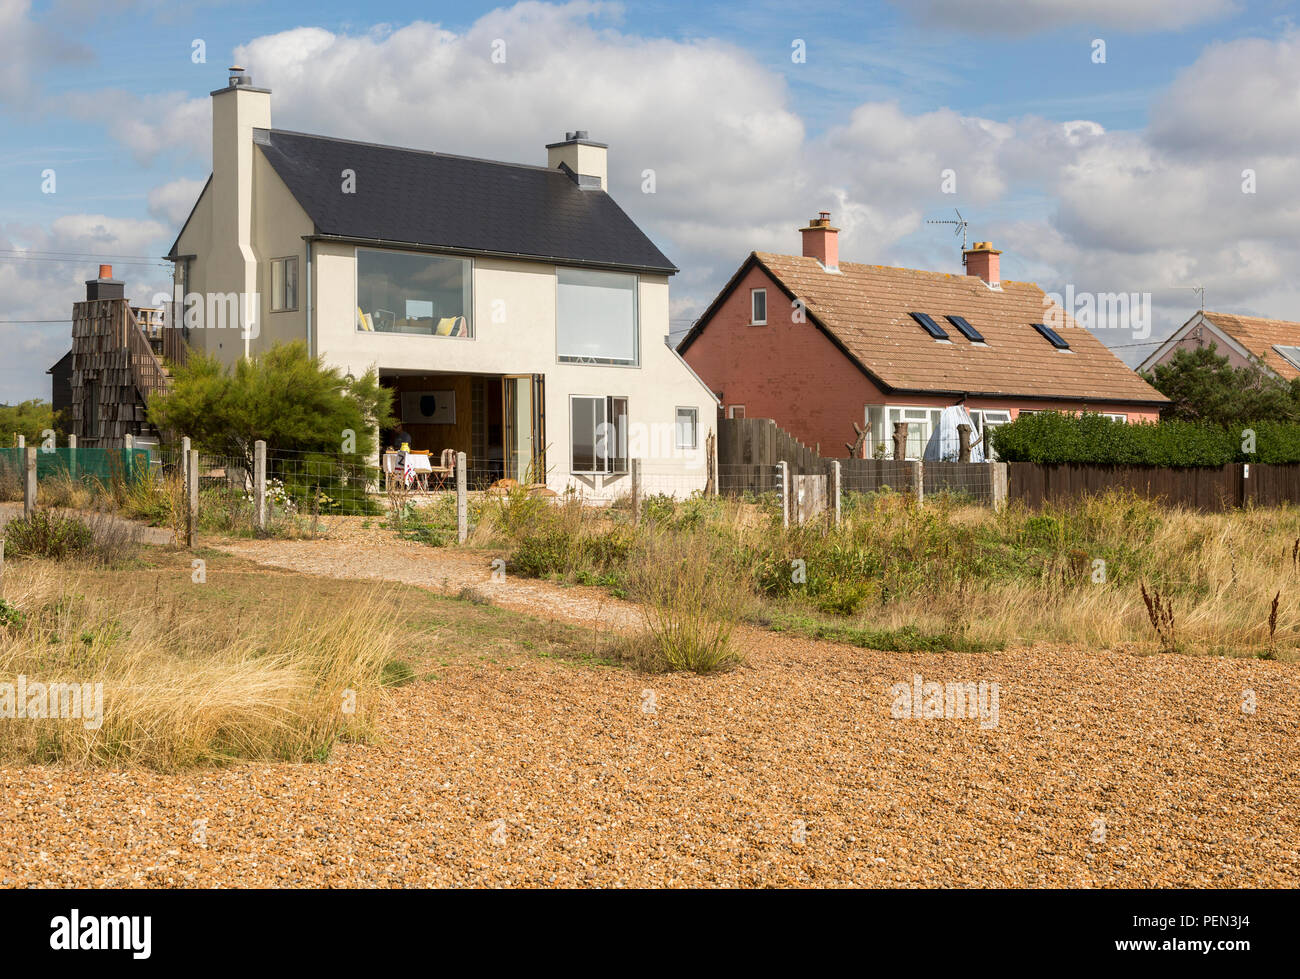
{"x": 107, "y": 95}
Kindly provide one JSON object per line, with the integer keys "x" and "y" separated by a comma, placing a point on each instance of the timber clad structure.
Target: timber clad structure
{"x": 117, "y": 364}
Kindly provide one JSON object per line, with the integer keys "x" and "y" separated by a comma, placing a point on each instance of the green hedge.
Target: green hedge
{"x": 1050, "y": 437}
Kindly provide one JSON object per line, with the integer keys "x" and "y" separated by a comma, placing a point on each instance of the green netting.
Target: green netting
{"x": 102, "y": 465}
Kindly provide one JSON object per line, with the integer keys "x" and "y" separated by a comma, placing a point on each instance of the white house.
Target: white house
{"x": 516, "y": 311}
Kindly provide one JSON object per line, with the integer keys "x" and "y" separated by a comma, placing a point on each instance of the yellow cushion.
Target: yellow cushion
{"x": 446, "y": 325}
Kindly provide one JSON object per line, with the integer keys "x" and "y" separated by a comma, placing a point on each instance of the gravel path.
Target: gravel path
{"x": 368, "y": 555}
{"x": 1105, "y": 769}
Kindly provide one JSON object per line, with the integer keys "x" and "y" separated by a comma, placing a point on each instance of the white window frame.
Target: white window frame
{"x": 731, "y": 411}
{"x": 1115, "y": 416}
{"x": 985, "y": 424}
{"x": 695, "y": 427}
{"x": 279, "y": 299}
{"x": 914, "y": 415}
{"x": 617, "y": 463}
{"x": 754, "y": 320}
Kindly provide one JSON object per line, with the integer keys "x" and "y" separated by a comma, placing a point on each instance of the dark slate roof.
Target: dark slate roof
{"x": 456, "y": 202}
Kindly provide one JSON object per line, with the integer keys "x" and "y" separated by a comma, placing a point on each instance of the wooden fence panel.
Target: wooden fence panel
{"x": 1207, "y": 488}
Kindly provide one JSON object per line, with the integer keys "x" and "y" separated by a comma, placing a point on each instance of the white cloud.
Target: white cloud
{"x": 27, "y": 48}
{"x": 148, "y": 125}
{"x": 1021, "y": 17}
{"x": 172, "y": 202}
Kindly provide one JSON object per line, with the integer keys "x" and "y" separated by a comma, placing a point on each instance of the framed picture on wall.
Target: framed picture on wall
{"x": 429, "y": 407}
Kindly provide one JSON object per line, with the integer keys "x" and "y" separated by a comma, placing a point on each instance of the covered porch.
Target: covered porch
{"x": 497, "y": 420}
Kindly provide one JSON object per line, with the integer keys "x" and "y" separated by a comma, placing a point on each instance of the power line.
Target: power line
{"x": 64, "y": 254}
{"x": 35, "y": 321}
{"x": 76, "y": 261}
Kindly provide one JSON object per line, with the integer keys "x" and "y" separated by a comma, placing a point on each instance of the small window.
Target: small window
{"x": 930, "y": 326}
{"x": 597, "y": 434}
{"x": 687, "y": 426}
{"x": 1052, "y": 336}
{"x": 284, "y": 284}
{"x": 758, "y": 307}
{"x": 735, "y": 411}
{"x": 1288, "y": 353}
{"x": 965, "y": 329}
{"x": 1116, "y": 417}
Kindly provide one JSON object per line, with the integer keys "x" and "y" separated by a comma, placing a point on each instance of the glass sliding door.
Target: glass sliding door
{"x": 522, "y": 396}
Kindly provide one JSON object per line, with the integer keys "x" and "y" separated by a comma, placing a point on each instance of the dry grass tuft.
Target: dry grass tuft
{"x": 180, "y": 691}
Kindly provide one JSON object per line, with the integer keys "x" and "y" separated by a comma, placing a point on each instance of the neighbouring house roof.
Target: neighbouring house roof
{"x": 865, "y": 310}
{"x": 457, "y": 203}
{"x": 1258, "y": 335}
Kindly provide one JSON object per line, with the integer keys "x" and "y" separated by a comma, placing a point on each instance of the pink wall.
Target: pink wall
{"x": 793, "y": 373}
{"x": 1200, "y": 337}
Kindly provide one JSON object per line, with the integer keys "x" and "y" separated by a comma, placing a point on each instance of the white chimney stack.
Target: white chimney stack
{"x": 237, "y": 110}
{"x": 585, "y": 158}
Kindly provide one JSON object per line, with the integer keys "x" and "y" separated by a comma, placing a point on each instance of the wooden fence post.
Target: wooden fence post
{"x": 711, "y": 460}
{"x": 783, "y": 468}
{"x": 2, "y": 568}
{"x": 462, "y": 500}
{"x": 191, "y": 496}
{"x": 634, "y": 471}
{"x": 833, "y": 487}
{"x": 29, "y": 482}
{"x": 72, "y": 456}
{"x": 1001, "y": 484}
{"x": 259, "y": 482}
{"x": 918, "y": 481}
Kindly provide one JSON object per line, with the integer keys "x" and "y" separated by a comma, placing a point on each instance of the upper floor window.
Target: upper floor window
{"x": 284, "y": 284}
{"x": 758, "y": 307}
{"x": 406, "y": 292}
{"x": 596, "y": 317}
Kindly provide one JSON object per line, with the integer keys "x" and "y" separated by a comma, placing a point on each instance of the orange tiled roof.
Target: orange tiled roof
{"x": 866, "y": 307}
{"x": 1258, "y": 335}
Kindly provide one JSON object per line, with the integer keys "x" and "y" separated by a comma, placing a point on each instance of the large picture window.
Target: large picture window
{"x": 405, "y": 292}
{"x": 596, "y": 317}
{"x": 597, "y": 434}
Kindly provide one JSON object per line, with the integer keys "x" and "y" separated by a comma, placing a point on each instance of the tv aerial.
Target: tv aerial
{"x": 961, "y": 224}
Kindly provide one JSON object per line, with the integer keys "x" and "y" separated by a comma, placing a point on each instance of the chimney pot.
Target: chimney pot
{"x": 106, "y": 271}
{"x": 822, "y": 242}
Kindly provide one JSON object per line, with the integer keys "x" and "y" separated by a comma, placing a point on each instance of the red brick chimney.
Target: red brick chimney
{"x": 822, "y": 242}
{"x": 982, "y": 260}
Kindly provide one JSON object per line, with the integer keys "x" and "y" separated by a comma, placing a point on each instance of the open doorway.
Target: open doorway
{"x": 496, "y": 420}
